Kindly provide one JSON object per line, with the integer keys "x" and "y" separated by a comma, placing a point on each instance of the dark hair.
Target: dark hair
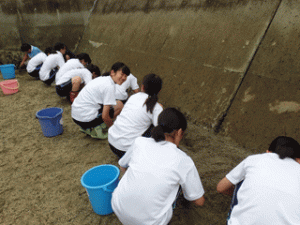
{"x": 71, "y": 54}
{"x": 25, "y": 47}
{"x": 106, "y": 74}
{"x": 168, "y": 120}
{"x": 120, "y": 66}
{"x": 285, "y": 147}
{"x": 116, "y": 67}
{"x": 58, "y": 46}
{"x": 49, "y": 50}
{"x": 152, "y": 85}
{"x": 93, "y": 68}
{"x": 85, "y": 57}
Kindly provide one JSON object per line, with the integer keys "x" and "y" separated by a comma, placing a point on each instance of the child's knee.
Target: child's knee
{"x": 76, "y": 80}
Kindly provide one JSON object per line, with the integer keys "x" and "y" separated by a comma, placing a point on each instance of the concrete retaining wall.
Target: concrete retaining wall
{"x": 206, "y": 52}
{"x": 268, "y": 101}
{"x": 231, "y": 65}
{"x": 40, "y": 23}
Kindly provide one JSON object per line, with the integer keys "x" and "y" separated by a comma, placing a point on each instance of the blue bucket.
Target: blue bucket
{"x": 51, "y": 121}
{"x": 8, "y": 71}
{"x": 100, "y": 182}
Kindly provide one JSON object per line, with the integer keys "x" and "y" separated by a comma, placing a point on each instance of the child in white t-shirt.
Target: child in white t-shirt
{"x": 80, "y": 62}
{"x": 34, "y": 64}
{"x": 139, "y": 113}
{"x": 52, "y": 64}
{"x": 156, "y": 168}
{"x": 267, "y": 186}
{"x": 92, "y": 110}
{"x": 73, "y": 80}
{"x": 121, "y": 90}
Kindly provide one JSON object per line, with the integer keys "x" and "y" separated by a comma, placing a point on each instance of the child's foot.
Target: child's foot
{"x": 98, "y": 133}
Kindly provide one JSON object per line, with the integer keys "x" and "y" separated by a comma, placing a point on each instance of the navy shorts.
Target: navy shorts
{"x": 64, "y": 89}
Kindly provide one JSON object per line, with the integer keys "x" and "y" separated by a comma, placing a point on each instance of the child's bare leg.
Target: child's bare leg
{"x": 118, "y": 108}
{"x": 76, "y": 82}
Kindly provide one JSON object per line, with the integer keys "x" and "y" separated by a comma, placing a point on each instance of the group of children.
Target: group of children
{"x": 146, "y": 137}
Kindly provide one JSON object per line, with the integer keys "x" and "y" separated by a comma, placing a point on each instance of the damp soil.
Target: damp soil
{"x": 40, "y": 176}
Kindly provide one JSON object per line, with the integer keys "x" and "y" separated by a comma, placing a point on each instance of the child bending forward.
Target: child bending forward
{"x": 156, "y": 168}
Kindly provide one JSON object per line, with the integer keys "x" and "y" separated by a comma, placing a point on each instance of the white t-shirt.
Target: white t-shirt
{"x": 86, "y": 105}
{"x": 69, "y": 65}
{"x": 52, "y": 61}
{"x": 84, "y": 74}
{"x": 132, "y": 122}
{"x": 36, "y": 61}
{"x": 270, "y": 193}
{"x": 147, "y": 190}
{"x": 121, "y": 90}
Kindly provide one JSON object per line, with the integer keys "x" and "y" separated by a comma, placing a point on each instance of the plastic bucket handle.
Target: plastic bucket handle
{"x": 11, "y": 88}
{"x": 107, "y": 189}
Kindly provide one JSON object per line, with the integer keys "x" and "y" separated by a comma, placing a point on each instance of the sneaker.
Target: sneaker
{"x": 103, "y": 125}
{"x": 98, "y": 133}
{"x": 104, "y": 128}
{"x": 87, "y": 131}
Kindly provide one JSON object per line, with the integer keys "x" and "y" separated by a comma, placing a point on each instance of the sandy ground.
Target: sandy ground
{"x": 40, "y": 176}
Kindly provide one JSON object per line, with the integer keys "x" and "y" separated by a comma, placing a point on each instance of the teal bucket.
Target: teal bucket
{"x": 51, "y": 121}
{"x": 100, "y": 182}
{"x": 8, "y": 71}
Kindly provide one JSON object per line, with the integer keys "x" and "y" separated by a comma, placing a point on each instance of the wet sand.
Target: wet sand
{"x": 40, "y": 176}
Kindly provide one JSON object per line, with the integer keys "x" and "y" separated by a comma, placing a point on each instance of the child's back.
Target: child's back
{"x": 271, "y": 187}
{"x": 133, "y": 121}
{"x": 52, "y": 61}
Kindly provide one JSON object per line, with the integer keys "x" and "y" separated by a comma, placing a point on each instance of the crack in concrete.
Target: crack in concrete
{"x": 87, "y": 23}
{"x": 218, "y": 124}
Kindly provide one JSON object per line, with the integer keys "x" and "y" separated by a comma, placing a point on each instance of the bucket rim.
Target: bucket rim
{"x": 47, "y": 117}
{"x": 100, "y": 186}
{"x": 6, "y": 65}
{"x": 9, "y": 80}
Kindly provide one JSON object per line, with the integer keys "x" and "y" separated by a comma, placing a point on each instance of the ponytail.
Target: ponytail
{"x": 157, "y": 134}
{"x": 150, "y": 102}
{"x": 168, "y": 120}
{"x": 152, "y": 86}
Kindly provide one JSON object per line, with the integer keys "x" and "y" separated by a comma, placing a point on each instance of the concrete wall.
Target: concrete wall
{"x": 41, "y": 23}
{"x": 268, "y": 101}
{"x": 210, "y": 54}
{"x": 230, "y": 65}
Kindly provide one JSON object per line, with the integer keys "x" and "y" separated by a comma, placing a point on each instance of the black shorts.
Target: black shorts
{"x": 51, "y": 76}
{"x": 118, "y": 152}
{"x": 96, "y": 122}
{"x": 64, "y": 89}
{"x": 36, "y": 72}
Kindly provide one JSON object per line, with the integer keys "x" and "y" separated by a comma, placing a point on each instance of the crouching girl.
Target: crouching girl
{"x": 70, "y": 83}
{"x": 156, "y": 168}
{"x": 267, "y": 186}
{"x": 139, "y": 113}
{"x": 95, "y": 106}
